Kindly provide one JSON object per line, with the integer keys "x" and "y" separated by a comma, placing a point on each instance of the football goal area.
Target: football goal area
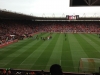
{"x": 89, "y": 65}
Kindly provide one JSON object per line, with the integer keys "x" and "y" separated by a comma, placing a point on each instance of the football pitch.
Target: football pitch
{"x": 33, "y": 54}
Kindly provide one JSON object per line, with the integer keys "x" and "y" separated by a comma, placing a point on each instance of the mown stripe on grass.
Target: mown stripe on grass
{"x": 95, "y": 40}
{"x": 18, "y": 52}
{"x": 95, "y": 36}
{"x": 96, "y": 47}
{"x": 23, "y": 55}
{"x": 45, "y": 56}
{"x": 66, "y": 58}
{"x": 87, "y": 47}
{"x": 76, "y": 50}
{"x": 56, "y": 54}
{"x": 33, "y": 57}
{"x": 17, "y": 44}
{"x": 13, "y": 49}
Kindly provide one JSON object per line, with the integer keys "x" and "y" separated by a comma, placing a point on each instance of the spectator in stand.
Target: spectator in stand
{"x": 22, "y": 29}
{"x": 56, "y": 69}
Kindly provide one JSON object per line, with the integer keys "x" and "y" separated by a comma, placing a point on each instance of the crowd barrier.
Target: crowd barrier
{"x": 13, "y": 41}
{"x": 8, "y": 43}
{"x": 9, "y": 71}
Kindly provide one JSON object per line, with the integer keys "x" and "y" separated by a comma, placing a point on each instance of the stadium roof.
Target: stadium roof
{"x": 20, "y": 16}
{"x": 4, "y": 14}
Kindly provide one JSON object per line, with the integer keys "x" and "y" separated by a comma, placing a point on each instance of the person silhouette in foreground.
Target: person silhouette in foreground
{"x": 56, "y": 69}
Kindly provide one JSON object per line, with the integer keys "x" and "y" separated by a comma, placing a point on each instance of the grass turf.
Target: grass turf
{"x": 40, "y": 55}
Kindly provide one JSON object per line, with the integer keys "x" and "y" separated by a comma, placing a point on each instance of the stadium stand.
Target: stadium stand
{"x": 10, "y": 30}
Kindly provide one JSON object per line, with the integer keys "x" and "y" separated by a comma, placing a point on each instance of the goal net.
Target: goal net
{"x": 89, "y": 65}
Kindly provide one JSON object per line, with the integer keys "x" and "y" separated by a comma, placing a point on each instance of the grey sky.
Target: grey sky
{"x": 47, "y": 7}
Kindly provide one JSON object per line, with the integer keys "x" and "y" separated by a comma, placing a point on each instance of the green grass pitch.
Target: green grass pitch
{"x": 40, "y": 55}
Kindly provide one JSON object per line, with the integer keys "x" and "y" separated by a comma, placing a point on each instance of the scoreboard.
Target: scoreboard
{"x": 72, "y": 17}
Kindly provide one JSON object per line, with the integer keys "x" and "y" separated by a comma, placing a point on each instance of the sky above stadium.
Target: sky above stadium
{"x": 48, "y": 8}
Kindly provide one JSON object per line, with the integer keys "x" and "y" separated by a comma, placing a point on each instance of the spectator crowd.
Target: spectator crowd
{"x": 11, "y": 30}
{"x": 55, "y": 69}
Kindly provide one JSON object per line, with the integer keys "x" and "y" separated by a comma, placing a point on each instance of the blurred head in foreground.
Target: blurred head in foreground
{"x": 56, "y": 69}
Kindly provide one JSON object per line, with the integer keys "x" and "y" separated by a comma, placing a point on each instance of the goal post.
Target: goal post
{"x": 89, "y": 65}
